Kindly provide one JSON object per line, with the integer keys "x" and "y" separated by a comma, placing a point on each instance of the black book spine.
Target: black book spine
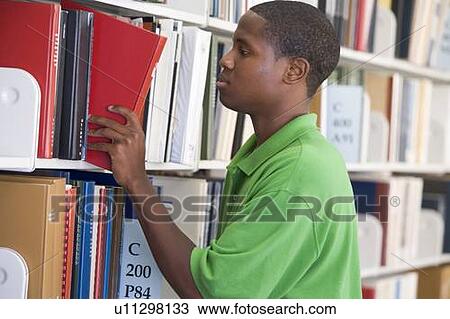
{"x": 84, "y": 73}
{"x": 70, "y": 89}
{"x": 76, "y": 86}
{"x": 60, "y": 82}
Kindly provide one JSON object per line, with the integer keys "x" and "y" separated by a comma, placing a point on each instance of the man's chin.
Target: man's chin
{"x": 228, "y": 104}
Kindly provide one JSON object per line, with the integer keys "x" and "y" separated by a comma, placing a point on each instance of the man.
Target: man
{"x": 288, "y": 227}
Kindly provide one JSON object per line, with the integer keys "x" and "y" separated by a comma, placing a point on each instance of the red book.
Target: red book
{"x": 123, "y": 59}
{"x": 360, "y": 29}
{"x": 369, "y": 292}
{"x": 100, "y": 258}
{"x": 28, "y": 33}
{"x": 69, "y": 235}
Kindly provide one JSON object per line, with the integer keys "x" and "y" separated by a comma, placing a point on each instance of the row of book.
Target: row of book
{"x": 78, "y": 55}
{"x": 374, "y": 117}
{"x": 401, "y": 219}
{"x": 230, "y": 10}
{"x": 416, "y": 30}
{"x": 80, "y": 237}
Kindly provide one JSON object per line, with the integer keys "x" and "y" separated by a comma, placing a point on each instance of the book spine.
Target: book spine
{"x": 60, "y": 82}
{"x": 71, "y": 241}
{"x": 140, "y": 102}
{"x": 46, "y": 127}
{"x": 77, "y": 239}
{"x": 100, "y": 258}
{"x": 108, "y": 242}
{"x": 66, "y": 244}
{"x": 86, "y": 242}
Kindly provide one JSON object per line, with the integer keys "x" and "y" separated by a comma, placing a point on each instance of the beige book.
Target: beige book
{"x": 32, "y": 224}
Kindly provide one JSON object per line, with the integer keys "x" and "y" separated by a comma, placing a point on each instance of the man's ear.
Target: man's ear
{"x": 297, "y": 71}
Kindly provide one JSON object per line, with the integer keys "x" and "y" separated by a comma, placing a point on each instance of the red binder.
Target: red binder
{"x": 123, "y": 59}
{"x": 28, "y": 33}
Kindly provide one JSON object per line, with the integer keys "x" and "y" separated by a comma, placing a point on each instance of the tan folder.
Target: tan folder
{"x": 32, "y": 223}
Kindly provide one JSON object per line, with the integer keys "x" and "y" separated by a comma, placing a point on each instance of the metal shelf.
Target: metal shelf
{"x": 413, "y": 266}
{"x": 82, "y": 165}
{"x": 362, "y": 167}
{"x": 136, "y": 8}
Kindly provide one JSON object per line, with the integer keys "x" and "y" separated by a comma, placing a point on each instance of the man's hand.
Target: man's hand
{"x": 127, "y": 147}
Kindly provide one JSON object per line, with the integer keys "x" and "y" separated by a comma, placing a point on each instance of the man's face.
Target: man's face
{"x": 251, "y": 75}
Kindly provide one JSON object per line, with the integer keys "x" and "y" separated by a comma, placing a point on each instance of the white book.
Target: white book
{"x": 95, "y": 222}
{"x": 411, "y": 217}
{"x": 370, "y": 239}
{"x": 225, "y": 132}
{"x": 423, "y": 120}
{"x": 396, "y": 101}
{"x": 346, "y": 106}
{"x": 431, "y": 234}
{"x": 198, "y": 7}
{"x": 440, "y": 54}
{"x": 385, "y": 32}
{"x": 162, "y": 94}
{"x": 186, "y": 199}
{"x": 378, "y": 138}
{"x": 439, "y": 128}
{"x": 420, "y": 31}
{"x": 20, "y": 98}
{"x": 395, "y": 230}
{"x": 140, "y": 276}
{"x": 188, "y": 110}
{"x": 178, "y": 29}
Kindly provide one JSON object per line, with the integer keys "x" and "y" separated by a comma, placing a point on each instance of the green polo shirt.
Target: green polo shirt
{"x": 287, "y": 222}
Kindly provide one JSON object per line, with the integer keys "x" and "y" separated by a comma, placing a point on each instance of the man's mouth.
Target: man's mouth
{"x": 222, "y": 81}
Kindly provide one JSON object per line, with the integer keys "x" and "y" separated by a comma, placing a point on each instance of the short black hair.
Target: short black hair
{"x": 297, "y": 29}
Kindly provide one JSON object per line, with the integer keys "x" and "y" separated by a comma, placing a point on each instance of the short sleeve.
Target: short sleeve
{"x": 260, "y": 255}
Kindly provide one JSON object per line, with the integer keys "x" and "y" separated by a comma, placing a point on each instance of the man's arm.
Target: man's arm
{"x": 170, "y": 246}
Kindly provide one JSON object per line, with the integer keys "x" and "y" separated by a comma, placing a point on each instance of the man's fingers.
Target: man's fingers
{"x": 131, "y": 117}
{"x": 103, "y": 147}
{"x": 108, "y": 133}
{"x": 103, "y": 121}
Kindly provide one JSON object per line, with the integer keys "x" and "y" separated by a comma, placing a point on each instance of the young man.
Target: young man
{"x": 288, "y": 226}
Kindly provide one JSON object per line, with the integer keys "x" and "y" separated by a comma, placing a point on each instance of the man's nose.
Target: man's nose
{"x": 227, "y": 61}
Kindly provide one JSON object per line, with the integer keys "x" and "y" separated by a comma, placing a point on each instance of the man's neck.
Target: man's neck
{"x": 266, "y": 127}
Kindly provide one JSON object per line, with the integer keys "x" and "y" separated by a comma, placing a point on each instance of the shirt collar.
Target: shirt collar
{"x": 249, "y": 158}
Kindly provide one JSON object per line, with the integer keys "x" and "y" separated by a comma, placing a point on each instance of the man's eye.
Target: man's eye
{"x": 243, "y": 52}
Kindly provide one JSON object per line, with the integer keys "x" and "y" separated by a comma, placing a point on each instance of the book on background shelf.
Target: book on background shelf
{"x": 164, "y": 90}
{"x": 394, "y": 287}
{"x": 347, "y": 110}
{"x": 399, "y": 221}
{"x": 186, "y": 117}
{"x": 434, "y": 283}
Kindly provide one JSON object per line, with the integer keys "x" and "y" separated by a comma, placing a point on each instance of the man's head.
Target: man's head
{"x": 281, "y": 50}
